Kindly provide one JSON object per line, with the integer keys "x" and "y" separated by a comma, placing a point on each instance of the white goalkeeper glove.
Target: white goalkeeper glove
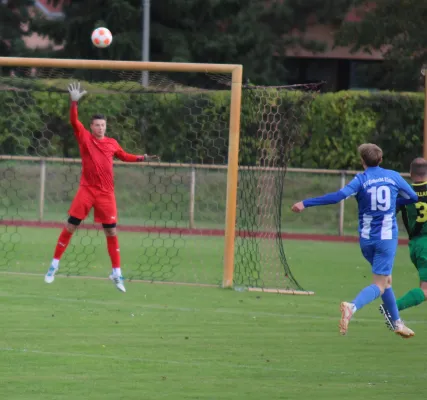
{"x": 75, "y": 93}
{"x": 151, "y": 158}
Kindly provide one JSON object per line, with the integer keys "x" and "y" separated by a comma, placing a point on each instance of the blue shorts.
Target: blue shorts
{"x": 380, "y": 254}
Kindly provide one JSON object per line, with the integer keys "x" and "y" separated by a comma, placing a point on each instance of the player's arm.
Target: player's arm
{"x": 331, "y": 198}
{"x": 399, "y": 205}
{"x": 402, "y": 201}
{"x": 126, "y": 157}
{"x": 406, "y": 195}
{"x": 76, "y": 95}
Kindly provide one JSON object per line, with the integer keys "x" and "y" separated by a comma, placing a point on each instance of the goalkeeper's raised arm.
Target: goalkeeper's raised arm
{"x": 76, "y": 94}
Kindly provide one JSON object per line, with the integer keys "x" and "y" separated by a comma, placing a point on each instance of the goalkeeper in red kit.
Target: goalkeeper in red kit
{"x": 96, "y": 188}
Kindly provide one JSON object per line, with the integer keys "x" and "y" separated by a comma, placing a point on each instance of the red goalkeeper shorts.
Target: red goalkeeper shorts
{"x": 104, "y": 204}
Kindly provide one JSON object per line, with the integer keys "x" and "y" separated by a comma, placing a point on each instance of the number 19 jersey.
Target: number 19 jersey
{"x": 376, "y": 191}
{"x": 415, "y": 215}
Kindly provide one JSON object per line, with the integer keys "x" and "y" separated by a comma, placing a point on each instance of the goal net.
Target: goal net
{"x": 184, "y": 219}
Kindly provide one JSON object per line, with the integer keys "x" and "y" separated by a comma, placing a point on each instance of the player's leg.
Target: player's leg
{"x": 382, "y": 268}
{"x": 380, "y": 254}
{"x": 418, "y": 254}
{"x": 78, "y": 211}
{"x": 416, "y": 296}
{"x": 413, "y": 298}
{"x": 366, "y": 295}
{"x": 106, "y": 214}
{"x": 390, "y": 312}
{"x": 114, "y": 253}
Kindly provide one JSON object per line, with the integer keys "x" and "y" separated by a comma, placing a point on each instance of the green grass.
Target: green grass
{"x": 81, "y": 339}
{"x": 144, "y": 256}
{"x": 148, "y": 256}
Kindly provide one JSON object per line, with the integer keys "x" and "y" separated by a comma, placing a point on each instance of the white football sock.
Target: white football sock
{"x": 55, "y": 263}
{"x": 117, "y": 272}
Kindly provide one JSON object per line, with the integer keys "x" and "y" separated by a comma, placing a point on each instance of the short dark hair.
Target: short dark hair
{"x": 371, "y": 154}
{"x": 418, "y": 167}
{"x": 97, "y": 116}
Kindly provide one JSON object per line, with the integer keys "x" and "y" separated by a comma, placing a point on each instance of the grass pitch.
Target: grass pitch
{"x": 82, "y": 339}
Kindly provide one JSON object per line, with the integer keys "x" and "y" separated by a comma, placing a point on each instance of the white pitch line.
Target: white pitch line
{"x": 196, "y": 310}
{"x": 100, "y": 278}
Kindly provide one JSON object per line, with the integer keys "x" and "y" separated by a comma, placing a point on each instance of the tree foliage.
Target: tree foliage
{"x": 249, "y": 32}
{"x": 397, "y": 27}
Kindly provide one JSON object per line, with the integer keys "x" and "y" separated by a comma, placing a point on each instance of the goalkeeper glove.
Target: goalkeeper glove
{"x": 75, "y": 93}
{"x": 146, "y": 157}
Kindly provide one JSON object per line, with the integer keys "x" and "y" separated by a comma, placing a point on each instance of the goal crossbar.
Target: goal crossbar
{"x": 121, "y": 65}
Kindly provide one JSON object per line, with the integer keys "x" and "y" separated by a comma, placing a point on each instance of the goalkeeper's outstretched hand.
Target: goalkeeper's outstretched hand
{"x": 75, "y": 93}
{"x": 151, "y": 158}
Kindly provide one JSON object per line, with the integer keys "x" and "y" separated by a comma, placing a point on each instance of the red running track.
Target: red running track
{"x": 197, "y": 232}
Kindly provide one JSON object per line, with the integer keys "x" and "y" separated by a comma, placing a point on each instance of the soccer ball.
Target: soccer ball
{"x": 102, "y": 37}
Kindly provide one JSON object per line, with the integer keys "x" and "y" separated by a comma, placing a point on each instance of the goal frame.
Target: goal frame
{"x": 236, "y": 72}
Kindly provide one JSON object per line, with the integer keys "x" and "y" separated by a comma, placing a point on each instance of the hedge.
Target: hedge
{"x": 339, "y": 122}
{"x": 192, "y": 125}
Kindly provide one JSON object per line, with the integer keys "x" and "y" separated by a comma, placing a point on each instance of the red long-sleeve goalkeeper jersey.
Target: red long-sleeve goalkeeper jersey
{"x": 97, "y": 155}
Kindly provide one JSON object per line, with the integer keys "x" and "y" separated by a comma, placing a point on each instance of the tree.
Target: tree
{"x": 398, "y": 28}
{"x": 14, "y": 24}
{"x": 254, "y": 33}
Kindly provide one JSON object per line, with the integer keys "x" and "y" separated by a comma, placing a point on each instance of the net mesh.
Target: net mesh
{"x": 171, "y": 213}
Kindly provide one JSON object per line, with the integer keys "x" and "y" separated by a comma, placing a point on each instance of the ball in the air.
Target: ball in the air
{"x": 102, "y": 37}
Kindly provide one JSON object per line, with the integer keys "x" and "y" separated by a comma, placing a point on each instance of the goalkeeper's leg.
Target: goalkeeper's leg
{"x": 106, "y": 214}
{"x": 79, "y": 210}
{"x": 114, "y": 253}
{"x": 61, "y": 246}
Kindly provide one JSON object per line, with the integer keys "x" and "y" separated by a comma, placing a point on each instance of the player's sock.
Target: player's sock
{"x": 366, "y": 296}
{"x": 411, "y": 299}
{"x": 61, "y": 246}
{"x": 390, "y": 302}
{"x": 114, "y": 252}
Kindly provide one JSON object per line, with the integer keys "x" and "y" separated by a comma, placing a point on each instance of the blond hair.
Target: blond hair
{"x": 371, "y": 154}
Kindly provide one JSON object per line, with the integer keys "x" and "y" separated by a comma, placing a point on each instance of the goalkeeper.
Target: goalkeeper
{"x": 96, "y": 188}
{"x": 415, "y": 220}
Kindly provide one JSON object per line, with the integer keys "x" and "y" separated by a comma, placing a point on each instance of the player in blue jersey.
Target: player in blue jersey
{"x": 376, "y": 191}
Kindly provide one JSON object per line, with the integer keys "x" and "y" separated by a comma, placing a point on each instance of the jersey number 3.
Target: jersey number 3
{"x": 380, "y": 198}
{"x": 421, "y": 211}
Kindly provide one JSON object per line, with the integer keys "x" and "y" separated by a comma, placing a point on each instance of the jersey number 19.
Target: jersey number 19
{"x": 380, "y": 198}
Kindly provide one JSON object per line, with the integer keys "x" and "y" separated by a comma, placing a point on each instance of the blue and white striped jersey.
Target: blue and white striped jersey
{"x": 376, "y": 191}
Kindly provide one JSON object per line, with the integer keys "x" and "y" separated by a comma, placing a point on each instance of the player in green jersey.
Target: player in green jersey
{"x": 415, "y": 220}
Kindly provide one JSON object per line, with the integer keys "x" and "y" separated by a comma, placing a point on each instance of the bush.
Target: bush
{"x": 339, "y": 122}
{"x": 192, "y": 126}
{"x": 398, "y": 126}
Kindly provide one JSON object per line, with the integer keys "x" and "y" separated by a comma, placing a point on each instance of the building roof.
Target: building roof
{"x": 48, "y": 9}
{"x": 35, "y": 41}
